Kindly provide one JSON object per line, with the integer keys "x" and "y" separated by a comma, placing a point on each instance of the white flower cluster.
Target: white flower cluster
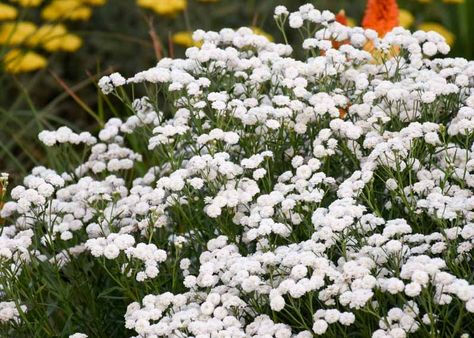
{"x": 276, "y": 197}
{"x": 65, "y": 135}
{"x": 111, "y": 247}
{"x": 14, "y": 244}
{"x": 108, "y": 83}
{"x": 9, "y": 312}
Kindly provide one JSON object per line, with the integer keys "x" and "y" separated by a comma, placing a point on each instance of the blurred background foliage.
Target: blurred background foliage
{"x": 52, "y": 52}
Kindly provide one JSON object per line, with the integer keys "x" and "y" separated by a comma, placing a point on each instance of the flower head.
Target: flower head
{"x": 164, "y": 7}
{"x": 7, "y": 12}
{"x": 381, "y": 16}
{"x": 406, "y": 18}
{"x": 18, "y": 61}
{"x": 66, "y": 10}
{"x": 28, "y": 3}
{"x": 15, "y": 33}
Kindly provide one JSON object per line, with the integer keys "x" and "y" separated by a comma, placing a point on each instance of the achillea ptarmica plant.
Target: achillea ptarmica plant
{"x": 237, "y": 200}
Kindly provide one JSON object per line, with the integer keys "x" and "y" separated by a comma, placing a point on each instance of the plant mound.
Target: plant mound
{"x": 258, "y": 189}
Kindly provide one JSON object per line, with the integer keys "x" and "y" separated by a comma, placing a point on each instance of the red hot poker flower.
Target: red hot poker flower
{"x": 381, "y": 16}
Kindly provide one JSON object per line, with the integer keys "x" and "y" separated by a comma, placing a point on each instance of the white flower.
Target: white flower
{"x": 281, "y": 10}
{"x": 429, "y": 48}
{"x": 470, "y": 305}
{"x": 277, "y": 302}
{"x": 428, "y": 97}
{"x": 259, "y": 173}
{"x": 48, "y": 138}
{"x": 320, "y": 326}
{"x": 346, "y": 318}
{"x": 394, "y": 285}
{"x": 412, "y": 289}
{"x": 296, "y": 21}
{"x": 78, "y": 335}
{"x": 332, "y": 316}
{"x": 111, "y": 251}
{"x": 213, "y": 211}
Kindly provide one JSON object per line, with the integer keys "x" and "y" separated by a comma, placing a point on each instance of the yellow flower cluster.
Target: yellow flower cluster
{"x": 406, "y": 18}
{"x": 19, "y": 61}
{"x": 15, "y": 33}
{"x": 168, "y": 7}
{"x": 52, "y": 36}
{"x": 28, "y": 3}
{"x": 164, "y": 7}
{"x": 55, "y": 37}
{"x": 445, "y": 1}
{"x": 70, "y": 9}
{"x": 7, "y": 12}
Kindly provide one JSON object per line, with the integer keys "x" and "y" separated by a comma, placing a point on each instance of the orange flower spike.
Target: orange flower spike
{"x": 341, "y": 17}
{"x": 381, "y": 16}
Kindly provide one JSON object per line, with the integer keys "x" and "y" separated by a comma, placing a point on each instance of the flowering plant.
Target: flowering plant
{"x": 253, "y": 194}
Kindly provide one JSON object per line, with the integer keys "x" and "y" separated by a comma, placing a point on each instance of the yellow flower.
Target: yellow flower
{"x": 66, "y": 9}
{"x": 14, "y": 33}
{"x": 45, "y": 33}
{"x": 55, "y": 37}
{"x": 67, "y": 43}
{"x": 445, "y": 1}
{"x": 406, "y": 18}
{"x": 261, "y": 32}
{"x": 18, "y": 61}
{"x": 164, "y": 7}
{"x": 94, "y": 2}
{"x": 7, "y": 12}
{"x": 185, "y": 38}
{"x": 28, "y": 3}
{"x": 440, "y": 29}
